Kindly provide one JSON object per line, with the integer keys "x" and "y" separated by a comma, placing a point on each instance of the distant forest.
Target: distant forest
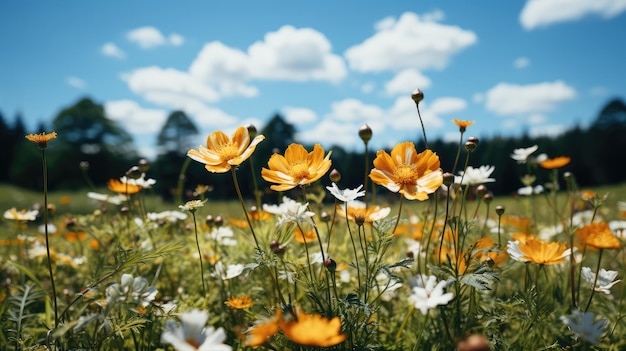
{"x": 91, "y": 149}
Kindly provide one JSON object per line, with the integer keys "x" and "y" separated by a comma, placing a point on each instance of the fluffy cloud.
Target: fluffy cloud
{"x": 76, "y": 82}
{"x": 111, "y": 50}
{"x": 521, "y": 62}
{"x": 299, "y": 115}
{"x": 410, "y": 41}
{"x": 547, "y": 130}
{"x": 510, "y": 99}
{"x": 406, "y": 81}
{"x": 149, "y": 37}
{"x": 134, "y": 118}
{"x": 543, "y": 13}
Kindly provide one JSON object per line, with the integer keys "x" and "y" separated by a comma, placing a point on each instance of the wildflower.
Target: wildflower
{"x": 521, "y": 155}
{"x": 538, "y": 251}
{"x": 530, "y": 190}
{"x": 598, "y": 235}
{"x": 260, "y": 333}
{"x": 290, "y": 211}
{"x": 428, "y": 293}
{"x": 135, "y": 288}
{"x": 346, "y": 194}
{"x": 407, "y": 172}
{"x": 229, "y": 272}
{"x": 554, "y": 163}
{"x": 167, "y": 216}
{"x": 359, "y": 213}
{"x": 192, "y": 205}
{"x": 222, "y": 152}
{"x": 462, "y": 124}
{"x": 604, "y": 282}
{"x": 112, "y": 199}
{"x": 117, "y": 186}
{"x": 475, "y": 176}
{"x": 313, "y": 330}
{"x": 22, "y": 215}
{"x": 141, "y": 181}
{"x": 297, "y": 167}
{"x": 239, "y": 302}
{"x": 192, "y": 334}
{"x": 304, "y": 236}
{"x": 41, "y": 139}
{"x": 583, "y": 326}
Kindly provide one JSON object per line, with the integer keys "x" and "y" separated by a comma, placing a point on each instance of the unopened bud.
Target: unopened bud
{"x": 251, "y": 130}
{"x": 277, "y": 248}
{"x": 144, "y": 165}
{"x": 335, "y": 176}
{"x": 84, "y": 165}
{"x": 481, "y": 190}
{"x": 330, "y": 264}
{"x": 448, "y": 179}
{"x": 473, "y": 139}
{"x": 365, "y": 133}
{"x": 470, "y": 146}
{"x": 70, "y": 223}
{"x": 325, "y": 217}
{"x": 218, "y": 221}
{"x": 488, "y": 198}
{"x": 209, "y": 220}
{"x": 134, "y": 172}
{"x": 499, "y": 210}
{"x": 417, "y": 96}
{"x": 474, "y": 342}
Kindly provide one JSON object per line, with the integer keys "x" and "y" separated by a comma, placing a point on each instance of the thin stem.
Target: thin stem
{"x": 45, "y": 222}
{"x": 399, "y": 212}
{"x": 458, "y": 154}
{"x": 595, "y": 280}
{"x": 195, "y": 227}
{"x": 365, "y": 177}
{"x": 422, "y": 123}
{"x": 243, "y": 207}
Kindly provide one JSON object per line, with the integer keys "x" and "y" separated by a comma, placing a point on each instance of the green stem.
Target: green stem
{"x": 195, "y": 227}
{"x": 595, "y": 281}
{"x": 422, "y": 123}
{"x": 243, "y": 206}
{"x": 45, "y": 222}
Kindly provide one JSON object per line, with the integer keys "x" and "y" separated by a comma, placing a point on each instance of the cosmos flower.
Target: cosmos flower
{"x": 462, "y": 124}
{"x": 192, "y": 335}
{"x": 521, "y": 155}
{"x": 475, "y": 176}
{"x": 22, "y": 215}
{"x": 405, "y": 171}
{"x": 584, "y": 327}
{"x": 598, "y": 235}
{"x": 554, "y": 163}
{"x": 263, "y": 330}
{"x": 222, "y": 152}
{"x": 297, "y": 167}
{"x": 428, "y": 293}
{"x": 530, "y": 190}
{"x": 346, "y": 195}
{"x": 605, "y": 281}
{"x": 313, "y": 330}
{"x": 112, "y": 199}
{"x": 41, "y": 139}
{"x": 290, "y": 211}
{"x": 141, "y": 181}
{"x": 538, "y": 251}
{"x": 239, "y": 302}
{"x": 117, "y": 186}
{"x": 358, "y": 212}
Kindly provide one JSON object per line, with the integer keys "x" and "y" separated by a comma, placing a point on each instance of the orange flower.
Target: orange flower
{"x": 407, "y": 172}
{"x": 554, "y": 163}
{"x": 541, "y": 252}
{"x": 239, "y": 302}
{"x": 462, "y": 124}
{"x": 222, "y": 152}
{"x": 313, "y": 330}
{"x": 41, "y": 139}
{"x": 307, "y": 236}
{"x": 123, "y": 188}
{"x": 261, "y": 332}
{"x": 598, "y": 235}
{"x": 297, "y": 167}
{"x": 75, "y": 236}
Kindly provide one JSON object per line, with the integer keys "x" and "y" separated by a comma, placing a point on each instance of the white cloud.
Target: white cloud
{"x": 111, "y": 50}
{"x": 536, "y": 118}
{"x": 508, "y": 99}
{"x": 76, "y": 82}
{"x": 351, "y": 110}
{"x": 134, "y": 118}
{"x": 521, "y": 62}
{"x": 368, "y": 87}
{"x": 329, "y": 132}
{"x": 543, "y": 13}
{"x": 299, "y": 115}
{"x": 150, "y": 37}
{"x": 406, "y": 81}
{"x": 410, "y": 41}
{"x": 445, "y": 105}
{"x": 547, "y": 130}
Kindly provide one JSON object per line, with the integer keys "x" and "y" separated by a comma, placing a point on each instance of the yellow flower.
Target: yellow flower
{"x": 413, "y": 175}
{"x": 41, "y": 139}
{"x": 462, "y": 124}
{"x": 541, "y": 252}
{"x": 306, "y": 236}
{"x": 313, "y": 330}
{"x": 557, "y": 162}
{"x": 222, "y": 152}
{"x": 598, "y": 235}
{"x": 239, "y": 302}
{"x": 261, "y": 332}
{"x": 297, "y": 167}
{"x": 123, "y": 188}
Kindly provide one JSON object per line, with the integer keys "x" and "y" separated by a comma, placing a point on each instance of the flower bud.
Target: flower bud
{"x": 335, "y": 176}
{"x": 325, "y": 217}
{"x": 365, "y": 133}
{"x": 488, "y": 198}
{"x": 481, "y": 190}
{"x": 134, "y": 172}
{"x": 218, "y": 221}
{"x": 448, "y": 179}
{"x": 144, "y": 165}
{"x": 84, "y": 165}
{"x": 417, "y": 96}
{"x": 330, "y": 264}
{"x": 277, "y": 248}
{"x": 499, "y": 210}
{"x": 470, "y": 146}
{"x": 209, "y": 220}
{"x": 473, "y": 139}
{"x": 474, "y": 342}
{"x": 251, "y": 130}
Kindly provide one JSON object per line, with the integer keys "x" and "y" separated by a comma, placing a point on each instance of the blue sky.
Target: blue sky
{"x": 329, "y": 67}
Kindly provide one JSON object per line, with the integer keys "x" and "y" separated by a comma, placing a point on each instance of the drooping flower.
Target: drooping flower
{"x": 297, "y": 167}
{"x": 462, "y": 124}
{"x": 554, "y": 163}
{"x": 22, "y": 215}
{"x": 604, "y": 282}
{"x": 428, "y": 293}
{"x": 358, "y": 212}
{"x": 407, "y": 172}
{"x": 475, "y": 176}
{"x": 313, "y": 330}
{"x": 192, "y": 334}
{"x": 598, "y": 235}
{"x": 117, "y": 186}
{"x": 222, "y": 152}
{"x": 583, "y": 325}
{"x": 538, "y": 251}
{"x": 346, "y": 195}
{"x": 41, "y": 139}
{"x": 521, "y": 155}
{"x": 239, "y": 302}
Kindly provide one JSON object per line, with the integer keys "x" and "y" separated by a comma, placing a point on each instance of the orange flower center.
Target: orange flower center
{"x": 299, "y": 169}
{"x": 228, "y": 151}
{"x": 405, "y": 174}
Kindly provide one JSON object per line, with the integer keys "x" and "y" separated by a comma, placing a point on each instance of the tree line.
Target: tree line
{"x": 91, "y": 149}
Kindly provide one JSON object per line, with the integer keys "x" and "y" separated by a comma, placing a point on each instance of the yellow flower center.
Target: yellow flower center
{"x": 405, "y": 174}
{"x": 299, "y": 169}
{"x": 228, "y": 151}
